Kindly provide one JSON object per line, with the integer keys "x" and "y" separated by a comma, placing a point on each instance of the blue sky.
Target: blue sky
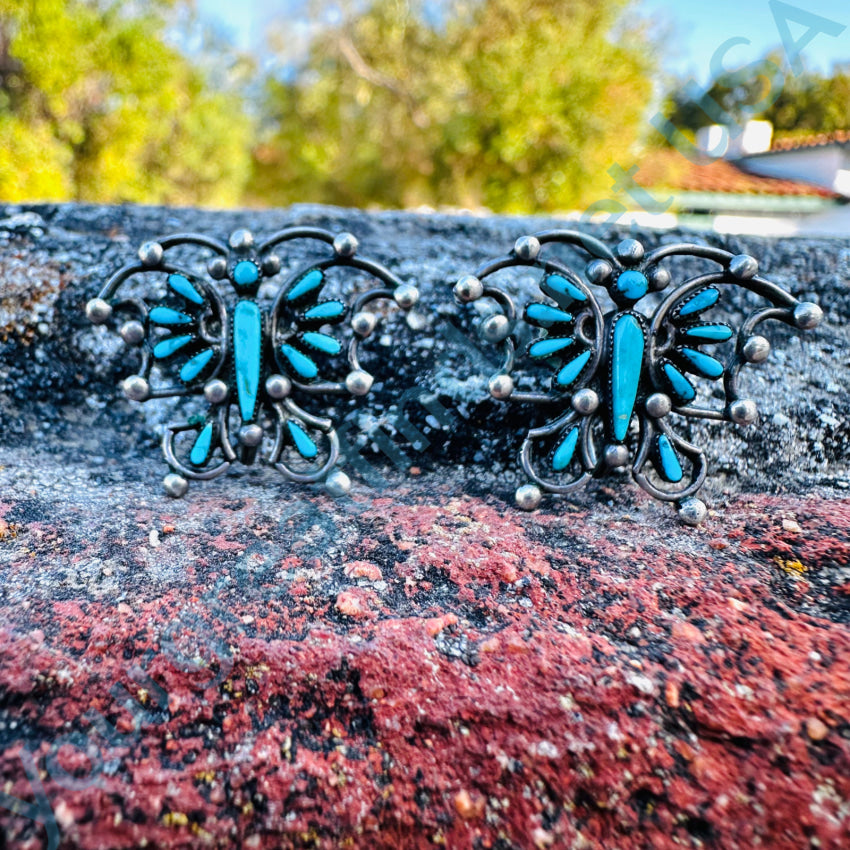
{"x": 694, "y": 29}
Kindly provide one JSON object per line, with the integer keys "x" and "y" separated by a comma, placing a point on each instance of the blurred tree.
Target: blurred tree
{"x": 96, "y": 105}
{"x": 517, "y": 105}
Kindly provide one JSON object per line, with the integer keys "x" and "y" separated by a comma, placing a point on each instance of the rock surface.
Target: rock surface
{"x": 259, "y": 665}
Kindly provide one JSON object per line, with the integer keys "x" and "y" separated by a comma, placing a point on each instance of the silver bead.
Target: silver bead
{"x": 132, "y": 332}
{"x": 251, "y": 435}
{"x": 528, "y": 497}
{"x": 151, "y": 254}
{"x": 338, "y": 484}
{"x": 468, "y": 288}
{"x": 278, "y": 386}
{"x": 215, "y": 391}
{"x": 217, "y": 268}
{"x": 363, "y": 323}
{"x": 495, "y": 328}
{"x": 358, "y": 382}
{"x": 501, "y": 386}
{"x": 345, "y": 245}
{"x": 527, "y": 247}
{"x": 136, "y": 388}
{"x": 630, "y": 251}
{"x": 692, "y": 511}
{"x": 756, "y": 349}
{"x": 659, "y": 278}
{"x": 98, "y": 311}
{"x": 406, "y": 296}
{"x": 585, "y": 402}
{"x": 743, "y": 411}
{"x": 743, "y": 267}
{"x": 598, "y": 271}
{"x": 175, "y": 485}
{"x": 658, "y": 405}
{"x": 241, "y": 240}
{"x": 807, "y": 315}
{"x": 616, "y": 455}
{"x": 270, "y": 265}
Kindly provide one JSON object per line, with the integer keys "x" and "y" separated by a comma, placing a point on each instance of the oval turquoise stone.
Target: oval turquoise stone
{"x": 245, "y": 273}
{"x": 704, "y": 299}
{"x": 301, "y": 363}
{"x": 247, "y": 355}
{"x": 564, "y": 453}
{"x": 194, "y": 366}
{"x": 312, "y": 280}
{"x": 670, "y": 467}
{"x": 626, "y": 366}
{"x": 632, "y": 284}
{"x": 203, "y": 443}
{"x": 304, "y": 444}
{"x": 167, "y": 347}
{"x": 181, "y": 285}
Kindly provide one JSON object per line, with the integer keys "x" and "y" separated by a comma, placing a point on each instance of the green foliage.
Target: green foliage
{"x": 516, "y": 105}
{"x": 95, "y": 105}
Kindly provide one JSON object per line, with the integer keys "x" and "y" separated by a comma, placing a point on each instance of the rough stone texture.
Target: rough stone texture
{"x": 259, "y": 665}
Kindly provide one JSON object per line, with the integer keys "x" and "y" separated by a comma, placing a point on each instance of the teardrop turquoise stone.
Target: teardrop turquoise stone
{"x": 247, "y": 355}
{"x": 709, "y": 333}
{"x": 201, "y": 450}
{"x": 168, "y": 316}
{"x": 547, "y": 313}
{"x": 303, "y": 442}
{"x": 564, "y": 453}
{"x": 322, "y": 342}
{"x": 194, "y": 366}
{"x": 703, "y": 364}
{"x": 572, "y": 370}
{"x": 680, "y": 384}
{"x": 301, "y": 363}
{"x": 183, "y": 287}
{"x": 671, "y": 467}
{"x": 700, "y": 302}
{"x": 326, "y": 310}
{"x": 167, "y": 347}
{"x": 312, "y": 280}
{"x": 548, "y": 347}
{"x": 560, "y": 285}
{"x": 626, "y": 364}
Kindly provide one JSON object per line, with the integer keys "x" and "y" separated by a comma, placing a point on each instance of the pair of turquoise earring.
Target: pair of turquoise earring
{"x": 628, "y": 353}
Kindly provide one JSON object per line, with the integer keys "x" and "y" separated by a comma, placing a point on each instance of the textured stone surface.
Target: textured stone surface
{"x": 260, "y": 665}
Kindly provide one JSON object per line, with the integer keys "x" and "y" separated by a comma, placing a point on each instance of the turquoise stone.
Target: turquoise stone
{"x": 195, "y": 365}
{"x": 167, "y": 316}
{"x": 325, "y": 310}
{"x": 682, "y": 387}
{"x": 303, "y": 442}
{"x": 626, "y": 364}
{"x": 245, "y": 273}
{"x": 704, "y": 299}
{"x": 181, "y": 286}
{"x": 572, "y": 370}
{"x": 322, "y": 342}
{"x": 201, "y": 450}
{"x": 670, "y": 466}
{"x": 561, "y": 286}
{"x": 546, "y": 313}
{"x": 703, "y": 364}
{"x": 549, "y": 346}
{"x": 312, "y": 280}
{"x": 167, "y": 347}
{"x": 301, "y": 363}
{"x": 632, "y": 284}
{"x": 247, "y": 355}
{"x": 709, "y": 333}
{"x": 564, "y": 453}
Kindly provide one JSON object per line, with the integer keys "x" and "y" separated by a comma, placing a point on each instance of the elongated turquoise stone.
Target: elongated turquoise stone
{"x": 195, "y": 365}
{"x": 570, "y": 371}
{"x": 709, "y": 333}
{"x": 548, "y": 347}
{"x": 167, "y": 316}
{"x": 632, "y": 284}
{"x": 703, "y": 364}
{"x": 680, "y": 384}
{"x": 323, "y": 342}
{"x": 167, "y": 347}
{"x": 303, "y": 442}
{"x": 247, "y": 355}
{"x": 183, "y": 287}
{"x": 546, "y": 313}
{"x": 559, "y": 284}
{"x": 671, "y": 467}
{"x": 701, "y": 301}
{"x": 626, "y": 364}
{"x": 564, "y": 453}
{"x": 312, "y": 280}
{"x": 301, "y": 363}
{"x": 245, "y": 273}
{"x": 325, "y": 310}
{"x": 201, "y": 450}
